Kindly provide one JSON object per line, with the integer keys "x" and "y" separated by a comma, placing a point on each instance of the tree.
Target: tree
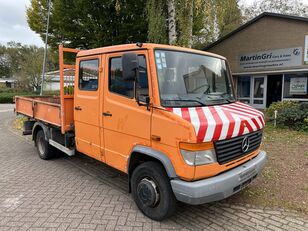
{"x": 4, "y": 63}
{"x": 10, "y": 59}
{"x": 291, "y": 7}
{"x": 29, "y": 76}
{"x": 229, "y": 16}
{"x": 185, "y": 16}
{"x": 171, "y": 22}
{"x": 156, "y": 12}
{"x": 205, "y": 29}
{"x": 24, "y": 63}
{"x": 88, "y": 24}
{"x": 191, "y": 23}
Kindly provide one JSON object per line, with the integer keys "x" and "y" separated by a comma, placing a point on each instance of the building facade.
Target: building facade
{"x": 268, "y": 57}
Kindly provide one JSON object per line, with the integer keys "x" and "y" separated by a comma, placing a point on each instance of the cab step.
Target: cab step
{"x": 70, "y": 152}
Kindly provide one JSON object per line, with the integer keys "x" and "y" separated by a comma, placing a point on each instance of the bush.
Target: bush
{"x": 7, "y": 97}
{"x": 279, "y": 106}
{"x": 10, "y": 90}
{"x": 291, "y": 114}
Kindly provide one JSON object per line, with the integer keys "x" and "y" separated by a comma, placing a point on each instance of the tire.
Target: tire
{"x": 44, "y": 150}
{"x": 151, "y": 176}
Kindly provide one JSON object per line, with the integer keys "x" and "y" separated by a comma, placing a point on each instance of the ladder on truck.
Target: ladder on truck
{"x": 67, "y": 79}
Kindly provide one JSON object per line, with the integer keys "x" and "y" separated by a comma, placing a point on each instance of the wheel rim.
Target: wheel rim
{"x": 147, "y": 192}
{"x": 40, "y": 145}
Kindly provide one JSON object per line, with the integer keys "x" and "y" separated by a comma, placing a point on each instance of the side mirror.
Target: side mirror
{"x": 130, "y": 65}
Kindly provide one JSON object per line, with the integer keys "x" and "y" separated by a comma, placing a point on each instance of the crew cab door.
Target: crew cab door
{"x": 125, "y": 122}
{"x": 87, "y": 106}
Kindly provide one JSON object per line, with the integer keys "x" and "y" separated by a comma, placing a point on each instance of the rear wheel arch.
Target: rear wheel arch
{"x": 37, "y": 127}
{"x": 40, "y": 136}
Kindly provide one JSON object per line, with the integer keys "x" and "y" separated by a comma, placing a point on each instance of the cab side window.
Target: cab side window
{"x": 126, "y": 88}
{"x": 88, "y": 75}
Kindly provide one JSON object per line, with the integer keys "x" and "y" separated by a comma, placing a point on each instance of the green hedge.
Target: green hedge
{"x": 290, "y": 114}
{"x": 7, "y": 97}
{"x": 7, "y": 94}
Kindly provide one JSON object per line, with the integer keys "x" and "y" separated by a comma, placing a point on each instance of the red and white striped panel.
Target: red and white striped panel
{"x": 223, "y": 121}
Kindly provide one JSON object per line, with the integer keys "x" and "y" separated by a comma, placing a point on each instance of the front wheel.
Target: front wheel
{"x": 152, "y": 191}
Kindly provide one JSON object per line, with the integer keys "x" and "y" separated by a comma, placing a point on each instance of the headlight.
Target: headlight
{"x": 193, "y": 156}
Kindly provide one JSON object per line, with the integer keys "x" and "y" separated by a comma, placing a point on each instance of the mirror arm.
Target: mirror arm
{"x": 148, "y": 105}
{"x": 136, "y": 84}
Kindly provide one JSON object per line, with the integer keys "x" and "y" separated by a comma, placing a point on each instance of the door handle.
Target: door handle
{"x": 155, "y": 138}
{"x": 107, "y": 113}
{"x": 78, "y": 108}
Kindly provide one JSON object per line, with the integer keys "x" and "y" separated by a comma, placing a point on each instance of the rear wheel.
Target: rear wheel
{"x": 152, "y": 191}
{"x": 44, "y": 149}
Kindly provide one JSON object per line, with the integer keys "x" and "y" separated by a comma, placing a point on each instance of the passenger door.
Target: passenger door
{"x": 87, "y": 106}
{"x": 125, "y": 122}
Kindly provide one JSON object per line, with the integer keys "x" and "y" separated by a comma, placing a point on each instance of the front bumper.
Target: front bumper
{"x": 221, "y": 186}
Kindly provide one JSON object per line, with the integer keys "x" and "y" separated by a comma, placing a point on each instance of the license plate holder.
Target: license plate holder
{"x": 244, "y": 184}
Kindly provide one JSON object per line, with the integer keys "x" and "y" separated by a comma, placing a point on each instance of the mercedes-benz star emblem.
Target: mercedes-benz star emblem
{"x": 245, "y": 144}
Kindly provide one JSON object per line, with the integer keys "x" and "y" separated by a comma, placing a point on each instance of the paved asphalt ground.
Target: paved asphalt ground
{"x": 78, "y": 193}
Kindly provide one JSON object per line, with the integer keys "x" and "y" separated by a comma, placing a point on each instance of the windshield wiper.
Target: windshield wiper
{"x": 222, "y": 97}
{"x": 187, "y": 100}
{"x": 227, "y": 99}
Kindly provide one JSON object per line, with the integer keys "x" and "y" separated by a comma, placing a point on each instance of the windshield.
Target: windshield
{"x": 190, "y": 79}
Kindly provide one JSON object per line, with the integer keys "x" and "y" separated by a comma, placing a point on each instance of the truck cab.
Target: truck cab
{"x": 165, "y": 115}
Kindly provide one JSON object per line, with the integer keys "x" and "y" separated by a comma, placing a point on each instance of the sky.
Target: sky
{"x": 14, "y": 26}
{"x": 13, "y": 23}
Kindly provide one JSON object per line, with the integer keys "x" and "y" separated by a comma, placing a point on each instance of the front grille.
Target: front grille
{"x": 231, "y": 149}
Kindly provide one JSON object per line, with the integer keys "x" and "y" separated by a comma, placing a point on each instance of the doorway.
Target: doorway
{"x": 274, "y": 89}
{"x": 258, "y": 88}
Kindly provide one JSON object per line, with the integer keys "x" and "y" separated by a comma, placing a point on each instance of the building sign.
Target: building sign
{"x": 271, "y": 59}
{"x": 298, "y": 86}
{"x": 306, "y": 50}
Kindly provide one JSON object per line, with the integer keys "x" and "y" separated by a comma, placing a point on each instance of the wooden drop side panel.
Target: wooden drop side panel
{"x": 67, "y": 77}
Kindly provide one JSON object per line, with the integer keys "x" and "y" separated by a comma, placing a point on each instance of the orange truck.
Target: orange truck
{"x": 165, "y": 115}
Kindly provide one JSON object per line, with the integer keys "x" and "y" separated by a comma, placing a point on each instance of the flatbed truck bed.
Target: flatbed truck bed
{"x": 43, "y": 108}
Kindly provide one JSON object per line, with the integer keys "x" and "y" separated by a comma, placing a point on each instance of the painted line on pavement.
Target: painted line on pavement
{"x": 6, "y": 110}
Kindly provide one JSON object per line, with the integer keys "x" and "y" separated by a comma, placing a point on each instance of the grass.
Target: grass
{"x": 305, "y": 188}
{"x": 283, "y": 181}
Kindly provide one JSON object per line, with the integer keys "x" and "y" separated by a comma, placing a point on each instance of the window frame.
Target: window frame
{"x": 109, "y": 79}
{"x": 228, "y": 74}
{"x": 98, "y": 73}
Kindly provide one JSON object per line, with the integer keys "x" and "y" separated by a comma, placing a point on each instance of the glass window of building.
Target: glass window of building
{"x": 295, "y": 86}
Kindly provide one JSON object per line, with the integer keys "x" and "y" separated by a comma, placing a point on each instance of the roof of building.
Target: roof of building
{"x": 264, "y": 14}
